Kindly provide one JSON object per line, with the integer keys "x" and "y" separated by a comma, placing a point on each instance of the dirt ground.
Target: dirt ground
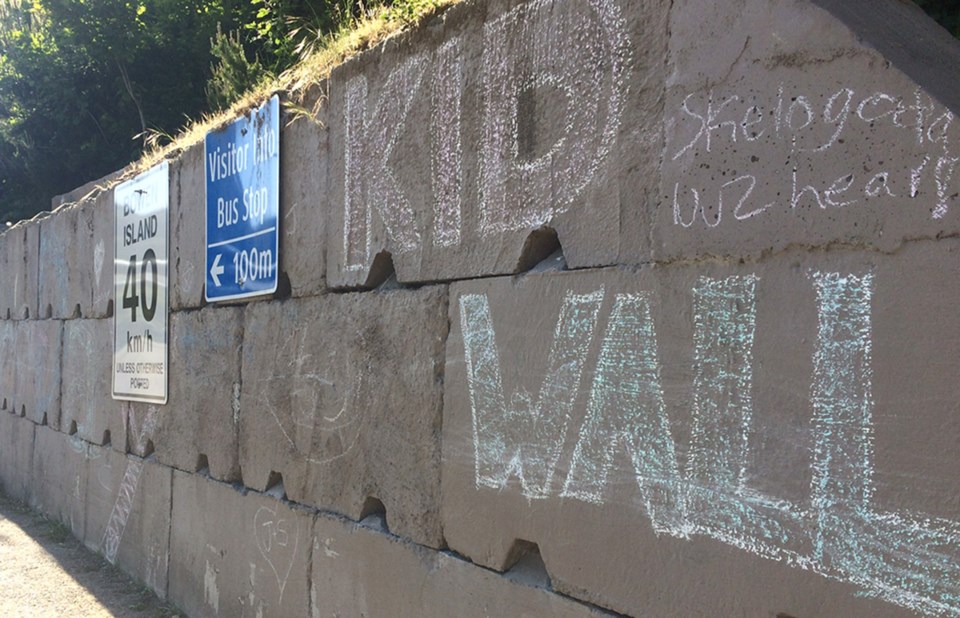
{"x": 46, "y": 572}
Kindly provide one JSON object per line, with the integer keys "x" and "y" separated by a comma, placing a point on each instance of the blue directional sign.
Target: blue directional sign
{"x": 242, "y": 163}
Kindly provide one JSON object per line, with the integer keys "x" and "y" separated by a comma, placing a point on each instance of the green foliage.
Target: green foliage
{"x": 232, "y": 74}
{"x": 407, "y": 11}
{"x": 86, "y": 84}
{"x": 81, "y": 80}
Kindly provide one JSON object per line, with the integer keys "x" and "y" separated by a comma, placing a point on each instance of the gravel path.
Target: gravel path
{"x": 46, "y": 572}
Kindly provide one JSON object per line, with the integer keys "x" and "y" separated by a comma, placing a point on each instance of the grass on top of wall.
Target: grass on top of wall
{"x": 375, "y": 26}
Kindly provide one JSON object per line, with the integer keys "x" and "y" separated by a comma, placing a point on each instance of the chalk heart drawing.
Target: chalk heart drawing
{"x": 277, "y": 540}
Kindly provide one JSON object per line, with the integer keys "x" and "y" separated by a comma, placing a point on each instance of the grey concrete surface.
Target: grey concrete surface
{"x": 304, "y": 201}
{"x": 127, "y": 517}
{"x": 59, "y": 478}
{"x": 20, "y": 272}
{"x": 87, "y": 406}
{"x": 451, "y": 148}
{"x": 340, "y": 397}
{"x": 236, "y": 553}
{"x": 187, "y": 229}
{"x": 202, "y": 415}
{"x": 16, "y": 456}
{"x": 636, "y": 306}
{"x": 64, "y": 274}
{"x": 38, "y": 363}
{"x": 700, "y": 407}
{"x": 358, "y": 569}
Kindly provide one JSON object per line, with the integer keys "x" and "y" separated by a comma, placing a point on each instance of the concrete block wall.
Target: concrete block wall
{"x": 587, "y": 307}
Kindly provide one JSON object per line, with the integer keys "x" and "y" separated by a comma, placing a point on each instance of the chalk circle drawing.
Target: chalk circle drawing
{"x": 277, "y": 541}
{"x": 303, "y": 423}
{"x": 120, "y": 514}
{"x": 906, "y": 558}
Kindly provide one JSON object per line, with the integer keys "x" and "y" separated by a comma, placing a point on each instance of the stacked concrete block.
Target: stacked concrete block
{"x": 304, "y": 203}
{"x": 360, "y": 571}
{"x": 37, "y": 358}
{"x": 19, "y": 275}
{"x": 65, "y": 259}
{"x": 187, "y": 229}
{"x": 466, "y": 150}
{"x": 740, "y": 401}
{"x": 128, "y": 514}
{"x": 341, "y": 398}
{"x": 16, "y": 456}
{"x": 783, "y": 128}
{"x": 236, "y": 553}
{"x": 203, "y": 410}
{"x": 96, "y": 219}
{"x": 59, "y": 478}
{"x": 8, "y": 365}
{"x": 758, "y": 415}
{"x": 88, "y": 409}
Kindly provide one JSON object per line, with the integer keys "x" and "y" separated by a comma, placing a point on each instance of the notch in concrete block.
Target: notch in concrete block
{"x": 381, "y": 270}
{"x": 275, "y": 486}
{"x": 540, "y": 244}
{"x": 526, "y": 565}
{"x": 203, "y": 465}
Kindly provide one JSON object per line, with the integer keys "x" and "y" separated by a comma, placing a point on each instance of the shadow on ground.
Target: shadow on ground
{"x": 45, "y": 571}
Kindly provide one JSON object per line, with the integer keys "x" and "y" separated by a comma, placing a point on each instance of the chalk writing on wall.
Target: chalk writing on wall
{"x": 277, "y": 541}
{"x": 527, "y": 50}
{"x": 811, "y": 135}
{"x": 910, "y": 559}
{"x": 120, "y": 513}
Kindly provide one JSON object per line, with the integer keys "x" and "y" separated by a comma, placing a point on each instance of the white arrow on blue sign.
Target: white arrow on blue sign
{"x": 242, "y": 163}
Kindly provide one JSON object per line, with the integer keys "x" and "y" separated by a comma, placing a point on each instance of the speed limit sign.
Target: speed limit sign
{"x": 140, "y": 269}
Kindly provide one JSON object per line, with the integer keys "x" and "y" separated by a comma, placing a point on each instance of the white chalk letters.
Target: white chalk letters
{"x": 905, "y": 558}
{"x": 543, "y": 48}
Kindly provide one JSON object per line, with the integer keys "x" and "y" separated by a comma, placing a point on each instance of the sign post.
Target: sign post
{"x": 242, "y": 163}
{"x": 140, "y": 276}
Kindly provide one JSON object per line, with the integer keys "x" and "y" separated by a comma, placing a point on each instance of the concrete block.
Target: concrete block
{"x": 236, "y": 553}
{"x": 531, "y": 120}
{"x": 19, "y": 276}
{"x": 59, "y": 480}
{"x": 304, "y": 203}
{"x": 65, "y": 264}
{"x": 88, "y": 407}
{"x": 97, "y": 216}
{"x": 128, "y": 502}
{"x": 16, "y": 456}
{"x": 38, "y": 354}
{"x": 360, "y": 571}
{"x": 341, "y": 396}
{"x": 202, "y": 414}
{"x": 86, "y": 191}
{"x": 809, "y": 136}
{"x": 142, "y": 422}
{"x": 740, "y": 438}
{"x": 187, "y": 229}
{"x": 8, "y": 365}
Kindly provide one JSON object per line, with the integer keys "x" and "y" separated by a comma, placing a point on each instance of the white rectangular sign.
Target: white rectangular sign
{"x": 140, "y": 270}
